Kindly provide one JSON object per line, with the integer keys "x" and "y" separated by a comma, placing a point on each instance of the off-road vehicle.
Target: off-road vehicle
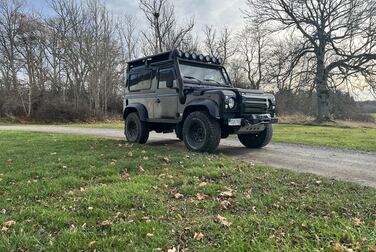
{"x": 193, "y": 95}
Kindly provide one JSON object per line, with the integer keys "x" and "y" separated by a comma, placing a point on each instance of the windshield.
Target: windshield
{"x": 202, "y": 74}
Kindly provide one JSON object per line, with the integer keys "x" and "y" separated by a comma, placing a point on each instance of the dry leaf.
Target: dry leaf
{"x": 92, "y": 243}
{"x": 202, "y": 184}
{"x": 172, "y": 250}
{"x": 149, "y": 235}
{"x": 338, "y": 247}
{"x": 82, "y": 189}
{"x": 9, "y": 223}
{"x": 166, "y": 159}
{"x": 53, "y": 153}
{"x": 124, "y": 174}
{"x": 141, "y": 169}
{"x": 198, "y": 236}
{"x": 146, "y": 158}
{"x": 227, "y": 194}
{"x": 106, "y": 223}
{"x": 178, "y": 195}
{"x": 357, "y": 221}
{"x": 130, "y": 154}
{"x": 200, "y": 196}
{"x": 224, "y": 204}
{"x": 223, "y": 221}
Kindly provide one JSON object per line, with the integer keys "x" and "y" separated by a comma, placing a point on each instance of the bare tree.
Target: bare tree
{"x": 219, "y": 45}
{"x": 163, "y": 33}
{"x": 339, "y": 34}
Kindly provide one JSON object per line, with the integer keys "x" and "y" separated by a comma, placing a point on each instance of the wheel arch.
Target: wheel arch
{"x": 136, "y": 107}
{"x": 202, "y": 105}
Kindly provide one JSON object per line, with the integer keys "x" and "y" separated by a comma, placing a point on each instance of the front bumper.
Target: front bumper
{"x": 252, "y": 120}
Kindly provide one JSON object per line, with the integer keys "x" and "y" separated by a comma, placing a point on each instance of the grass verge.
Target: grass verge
{"x": 71, "y": 193}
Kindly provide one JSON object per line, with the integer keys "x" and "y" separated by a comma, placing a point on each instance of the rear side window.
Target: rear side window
{"x": 140, "y": 81}
{"x": 164, "y": 76}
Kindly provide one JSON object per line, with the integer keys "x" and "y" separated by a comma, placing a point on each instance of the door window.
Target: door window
{"x": 140, "y": 81}
{"x": 165, "y": 76}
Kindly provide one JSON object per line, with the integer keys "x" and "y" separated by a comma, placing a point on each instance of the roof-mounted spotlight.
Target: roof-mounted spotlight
{"x": 214, "y": 60}
{"x": 194, "y": 56}
{"x": 220, "y": 61}
{"x": 180, "y": 54}
{"x": 187, "y": 55}
{"x": 201, "y": 57}
{"x": 207, "y": 58}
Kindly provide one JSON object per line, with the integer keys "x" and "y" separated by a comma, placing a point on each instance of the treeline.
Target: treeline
{"x": 71, "y": 64}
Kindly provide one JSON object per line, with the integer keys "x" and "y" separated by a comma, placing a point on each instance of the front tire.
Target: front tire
{"x": 201, "y": 132}
{"x": 257, "y": 140}
{"x": 135, "y": 130}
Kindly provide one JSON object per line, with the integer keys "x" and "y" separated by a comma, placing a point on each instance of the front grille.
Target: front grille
{"x": 254, "y": 105}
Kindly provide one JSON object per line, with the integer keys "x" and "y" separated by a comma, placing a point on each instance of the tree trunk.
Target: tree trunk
{"x": 321, "y": 82}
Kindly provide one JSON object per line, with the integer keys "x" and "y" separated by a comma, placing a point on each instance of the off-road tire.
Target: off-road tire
{"x": 179, "y": 131}
{"x": 135, "y": 130}
{"x": 257, "y": 140}
{"x": 201, "y": 132}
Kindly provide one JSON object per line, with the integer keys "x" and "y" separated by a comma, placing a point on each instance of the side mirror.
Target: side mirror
{"x": 170, "y": 82}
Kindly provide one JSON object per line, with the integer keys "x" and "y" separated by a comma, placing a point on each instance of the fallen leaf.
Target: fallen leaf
{"x": 141, "y": 169}
{"x": 82, "y": 189}
{"x": 9, "y": 223}
{"x": 106, "y": 223}
{"x": 90, "y": 208}
{"x": 223, "y": 221}
{"x": 53, "y": 153}
{"x": 166, "y": 159}
{"x": 146, "y": 158}
{"x": 349, "y": 250}
{"x": 149, "y": 235}
{"x": 92, "y": 243}
{"x": 124, "y": 174}
{"x": 198, "y": 236}
{"x": 202, "y": 184}
{"x": 200, "y": 196}
{"x": 178, "y": 195}
{"x": 357, "y": 221}
{"x": 172, "y": 250}
{"x": 227, "y": 194}
{"x": 338, "y": 247}
{"x": 224, "y": 204}
{"x": 130, "y": 154}
{"x": 318, "y": 182}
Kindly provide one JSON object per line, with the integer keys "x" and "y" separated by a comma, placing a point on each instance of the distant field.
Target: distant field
{"x": 75, "y": 193}
{"x": 356, "y": 138}
{"x": 373, "y": 115}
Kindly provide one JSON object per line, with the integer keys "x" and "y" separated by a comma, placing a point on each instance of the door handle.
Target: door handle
{"x": 157, "y": 100}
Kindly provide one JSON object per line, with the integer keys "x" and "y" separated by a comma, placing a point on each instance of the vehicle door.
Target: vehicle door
{"x": 166, "y": 103}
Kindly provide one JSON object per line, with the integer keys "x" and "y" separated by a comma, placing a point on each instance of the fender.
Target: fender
{"x": 210, "y": 105}
{"x": 141, "y": 110}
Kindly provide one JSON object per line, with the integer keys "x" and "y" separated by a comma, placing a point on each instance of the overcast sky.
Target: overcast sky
{"x": 218, "y": 13}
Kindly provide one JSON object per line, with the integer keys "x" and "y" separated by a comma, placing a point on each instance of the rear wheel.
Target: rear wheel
{"x": 201, "y": 132}
{"x": 135, "y": 130}
{"x": 257, "y": 140}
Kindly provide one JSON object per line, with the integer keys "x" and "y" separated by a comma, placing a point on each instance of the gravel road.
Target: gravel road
{"x": 358, "y": 167}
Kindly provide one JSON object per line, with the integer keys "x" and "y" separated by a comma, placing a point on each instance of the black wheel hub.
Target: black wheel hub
{"x": 132, "y": 130}
{"x": 196, "y": 134}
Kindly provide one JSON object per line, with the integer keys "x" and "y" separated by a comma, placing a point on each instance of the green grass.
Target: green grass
{"x": 346, "y": 138}
{"x": 373, "y": 115}
{"x": 76, "y": 193}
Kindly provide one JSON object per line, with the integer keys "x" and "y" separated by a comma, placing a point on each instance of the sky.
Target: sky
{"x": 218, "y": 13}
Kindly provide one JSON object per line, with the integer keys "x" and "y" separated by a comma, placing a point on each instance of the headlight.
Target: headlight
{"x": 230, "y": 102}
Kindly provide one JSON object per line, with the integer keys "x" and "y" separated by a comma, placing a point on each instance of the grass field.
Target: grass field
{"x": 355, "y": 138}
{"x": 373, "y": 115}
{"x": 73, "y": 193}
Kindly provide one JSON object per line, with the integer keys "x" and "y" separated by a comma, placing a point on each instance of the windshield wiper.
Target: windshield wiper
{"x": 211, "y": 80}
{"x": 193, "y": 78}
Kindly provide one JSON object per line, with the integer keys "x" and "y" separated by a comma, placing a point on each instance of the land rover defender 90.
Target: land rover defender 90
{"x": 193, "y": 95}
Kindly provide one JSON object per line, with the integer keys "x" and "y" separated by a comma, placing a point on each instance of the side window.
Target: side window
{"x": 165, "y": 76}
{"x": 140, "y": 81}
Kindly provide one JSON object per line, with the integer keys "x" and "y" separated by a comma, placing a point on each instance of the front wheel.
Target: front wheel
{"x": 135, "y": 130}
{"x": 201, "y": 132}
{"x": 257, "y": 140}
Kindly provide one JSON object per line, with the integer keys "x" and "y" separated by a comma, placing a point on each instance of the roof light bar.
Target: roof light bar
{"x": 200, "y": 57}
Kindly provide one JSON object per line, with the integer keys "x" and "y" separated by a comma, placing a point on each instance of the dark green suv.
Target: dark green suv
{"x": 192, "y": 95}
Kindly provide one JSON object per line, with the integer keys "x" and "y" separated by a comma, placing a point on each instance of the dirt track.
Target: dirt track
{"x": 359, "y": 167}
